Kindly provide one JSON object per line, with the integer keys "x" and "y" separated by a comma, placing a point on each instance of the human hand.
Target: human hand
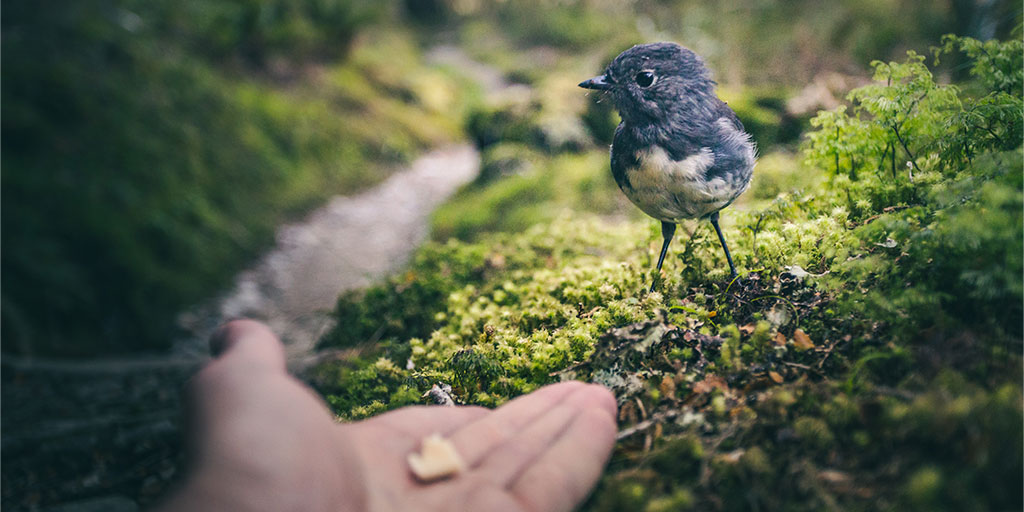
{"x": 261, "y": 440}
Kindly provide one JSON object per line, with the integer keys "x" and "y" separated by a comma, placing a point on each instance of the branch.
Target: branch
{"x": 646, "y": 424}
{"x": 905, "y": 148}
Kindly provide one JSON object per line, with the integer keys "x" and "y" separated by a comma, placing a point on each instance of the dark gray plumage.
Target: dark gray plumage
{"x": 680, "y": 152}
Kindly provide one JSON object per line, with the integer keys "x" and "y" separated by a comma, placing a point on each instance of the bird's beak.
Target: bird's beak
{"x": 600, "y": 83}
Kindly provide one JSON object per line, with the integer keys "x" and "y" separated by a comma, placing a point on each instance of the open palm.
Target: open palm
{"x": 263, "y": 441}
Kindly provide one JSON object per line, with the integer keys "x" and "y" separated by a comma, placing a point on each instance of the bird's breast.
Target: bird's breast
{"x": 672, "y": 190}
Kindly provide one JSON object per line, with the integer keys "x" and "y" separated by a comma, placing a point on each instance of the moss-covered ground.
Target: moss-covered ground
{"x": 868, "y": 358}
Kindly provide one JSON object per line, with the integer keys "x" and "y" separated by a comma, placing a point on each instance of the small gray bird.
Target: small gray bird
{"x": 679, "y": 152}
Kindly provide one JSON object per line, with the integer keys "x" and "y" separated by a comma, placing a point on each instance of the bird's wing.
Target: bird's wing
{"x": 622, "y": 160}
{"x": 725, "y": 112}
{"x": 734, "y": 151}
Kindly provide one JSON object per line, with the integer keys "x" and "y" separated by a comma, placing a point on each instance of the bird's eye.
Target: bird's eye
{"x": 644, "y": 78}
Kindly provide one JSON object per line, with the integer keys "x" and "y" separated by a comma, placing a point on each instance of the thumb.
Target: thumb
{"x": 247, "y": 342}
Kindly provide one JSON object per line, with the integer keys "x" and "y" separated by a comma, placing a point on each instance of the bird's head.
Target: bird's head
{"x": 653, "y": 83}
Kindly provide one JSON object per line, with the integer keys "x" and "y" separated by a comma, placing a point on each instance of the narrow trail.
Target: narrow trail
{"x": 345, "y": 245}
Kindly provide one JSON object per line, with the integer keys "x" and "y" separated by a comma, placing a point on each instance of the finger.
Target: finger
{"x": 505, "y": 463}
{"x": 476, "y": 439}
{"x": 249, "y": 342}
{"x": 564, "y": 474}
{"x": 422, "y": 420}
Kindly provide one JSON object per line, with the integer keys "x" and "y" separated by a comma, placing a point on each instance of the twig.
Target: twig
{"x": 646, "y": 424}
{"x": 898, "y": 393}
{"x": 887, "y": 209}
{"x": 705, "y": 468}
{"x": 828, "y": 352}
{"x": 796, "y": 365}
{"x": 905, "y": 148}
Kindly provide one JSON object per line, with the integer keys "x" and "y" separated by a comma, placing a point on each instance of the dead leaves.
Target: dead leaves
{"x": 710, "y": 382}
{"x": 779, "y": 340}
{"x": 667, "y": 387}
{"x": 801, "y": 340}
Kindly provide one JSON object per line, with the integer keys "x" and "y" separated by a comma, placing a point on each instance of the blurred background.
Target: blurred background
{"x": 153, "y": 150}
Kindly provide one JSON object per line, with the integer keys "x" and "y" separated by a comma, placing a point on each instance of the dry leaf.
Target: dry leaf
{"x": 801, "y": 340}
{"x": 732, "y": 457}
{"x": 779, "y": 339}
{"x": 628, "y": 414}
{"x": 709, "y": 383}
{"x": 747, "y": 329}
{"x": 775, "y": 377}
{"x": 668, "y": 387}
{"x": 833, "y": 476}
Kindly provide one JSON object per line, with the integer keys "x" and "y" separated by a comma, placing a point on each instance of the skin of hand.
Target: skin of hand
{"x": 260, "y": 440}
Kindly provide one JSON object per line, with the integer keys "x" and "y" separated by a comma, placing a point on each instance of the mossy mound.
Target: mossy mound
{"x": 868, "y": 358}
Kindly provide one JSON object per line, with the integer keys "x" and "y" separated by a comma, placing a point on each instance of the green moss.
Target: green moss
{"x": 813, "y": 431}
{"x": 679, "y": 500}
{"x": 923, "y": 488}
{"x": 533, "y": 190}
{"x": 679, "y": 457}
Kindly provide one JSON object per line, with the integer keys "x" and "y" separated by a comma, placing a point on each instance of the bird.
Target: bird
{"x": 679, "y": 152}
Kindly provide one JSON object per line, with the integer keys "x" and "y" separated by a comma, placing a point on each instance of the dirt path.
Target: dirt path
{"x": 347, "y": 244}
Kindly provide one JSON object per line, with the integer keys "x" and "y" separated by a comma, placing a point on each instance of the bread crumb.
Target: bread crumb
{"x": 437, "y": 459}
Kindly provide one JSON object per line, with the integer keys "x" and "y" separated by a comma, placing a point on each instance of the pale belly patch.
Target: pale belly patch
{"x": 671, "y": 190}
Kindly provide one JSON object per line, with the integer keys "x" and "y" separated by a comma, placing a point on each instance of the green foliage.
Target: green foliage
{"x": 141, "y": 168}
{"x": 257, "y": 32}
{"x": 514, "y": 120}
{"x": 539, "y": 192}
{"x": 991, "y": 118}
{"x": 895, "y": 119}
{"x": 777, "y": 174}
{"x": 995, "y": 64}
{"x": 572, "y": 25}
{"x": 949, "y": 218}
{"x": 764, "y": 115}
{"x": 869, "y": 358}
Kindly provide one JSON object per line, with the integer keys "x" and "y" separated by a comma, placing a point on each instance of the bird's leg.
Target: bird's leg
{"x": 728, "y": 257}
{"x": 668, "y": 229}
